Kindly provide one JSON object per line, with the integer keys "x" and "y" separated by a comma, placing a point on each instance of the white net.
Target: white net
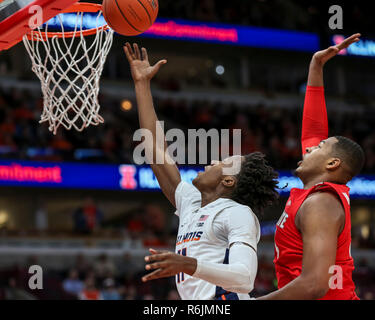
{"x": 69, "y": 69}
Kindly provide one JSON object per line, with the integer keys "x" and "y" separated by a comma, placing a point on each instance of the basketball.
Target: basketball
{"x": 130, "y": 17}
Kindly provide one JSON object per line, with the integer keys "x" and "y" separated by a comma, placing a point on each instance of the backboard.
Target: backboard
{"x": 18, "y": 17}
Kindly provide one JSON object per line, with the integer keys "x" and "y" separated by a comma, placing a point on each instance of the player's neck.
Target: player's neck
{"x": 322, "y": 178}
{"x": 208, "y": 197}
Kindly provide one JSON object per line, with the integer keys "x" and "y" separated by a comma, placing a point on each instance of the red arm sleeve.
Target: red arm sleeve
{"x": 315, "y": 121}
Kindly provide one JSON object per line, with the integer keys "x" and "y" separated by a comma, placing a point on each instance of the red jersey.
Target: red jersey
{"x": 289, "y": 244}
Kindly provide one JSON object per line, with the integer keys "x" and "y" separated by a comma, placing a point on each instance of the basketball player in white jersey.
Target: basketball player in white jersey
{"x": 218, "y": 231}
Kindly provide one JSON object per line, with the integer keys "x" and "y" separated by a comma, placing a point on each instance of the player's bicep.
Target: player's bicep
{"x": 319, "y": 252}
{"x": 320, "y": 220}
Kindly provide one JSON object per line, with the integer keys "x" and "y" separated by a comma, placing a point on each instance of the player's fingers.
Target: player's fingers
{"x": 351, "y": 38}
{"x": 348, "y": 41}
{"x": 152, "y": 258}
{"x": 153, "y": 275}
{"x": 127, "y": 53}
{"x": 157, "y": 257}
{"x": 130, "y": 49}
{"x": 155, "y": 265}
{"x": 144, "y": 54}
{"x": 153, "y": 251}
{"x": 333, "y": 50}
{"x": 159, "y": 64}
{"x": 355, "y": 36}
{"x": 137, "y": 52}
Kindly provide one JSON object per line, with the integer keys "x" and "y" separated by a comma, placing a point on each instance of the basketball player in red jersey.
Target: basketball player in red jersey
{"x": 313, "y": 235}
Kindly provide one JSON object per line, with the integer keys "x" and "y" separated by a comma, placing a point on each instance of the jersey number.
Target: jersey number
{"x": 180, "y": 276}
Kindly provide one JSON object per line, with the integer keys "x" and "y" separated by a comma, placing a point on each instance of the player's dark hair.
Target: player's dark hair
{"x": 350, "y": 153}
{"x": 256, "y": 185}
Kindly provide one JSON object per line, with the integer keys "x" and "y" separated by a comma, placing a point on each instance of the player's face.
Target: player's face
{"x": 315, "y": 159}
{"x": 214, "y": 173}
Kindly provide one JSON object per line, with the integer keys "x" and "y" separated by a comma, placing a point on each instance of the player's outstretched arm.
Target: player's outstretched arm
{"x": 320, "y": 220}
{"x": 315, "y": 121}
{"x": 236, "y": 276}
{"x": 163, "y": 166}
{"x": 320, "y": 58}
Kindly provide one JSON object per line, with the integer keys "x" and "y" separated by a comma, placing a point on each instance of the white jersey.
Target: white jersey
{"x": 207, "y": 233}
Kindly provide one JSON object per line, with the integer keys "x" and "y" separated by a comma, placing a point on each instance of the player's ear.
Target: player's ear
{"x": 333, "y": 164}
{"x": 229, "y": 181}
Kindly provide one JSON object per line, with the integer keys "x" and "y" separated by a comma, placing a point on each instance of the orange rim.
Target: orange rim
{"x": 77, "y": 7}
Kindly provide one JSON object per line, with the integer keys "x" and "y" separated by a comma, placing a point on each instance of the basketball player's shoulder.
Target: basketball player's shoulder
{"x": 240, "y": 209}
{"x": 322, "y": 205}
{"x": 329, "y": 187}
{"x": 323, "y": 193}
{"x": 326, "y": 194}
{"x": 186, "y": 188}
{"x": 187, "y": 197}
{"x": 242, "y": 224}
{"x": 242, "y": 214}
{"x": 321, "y": 198}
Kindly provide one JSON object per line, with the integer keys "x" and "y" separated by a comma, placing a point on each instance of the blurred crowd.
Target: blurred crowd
{"x": 100, "y": 279}
{"x": 274, "y": 131}
{"x": 22, "y": 137}
{"x": 301, "y": 15}
{"x": 257, "y": 13}
{"x": 146, "y": 225}
{"x": 103, "y": 279}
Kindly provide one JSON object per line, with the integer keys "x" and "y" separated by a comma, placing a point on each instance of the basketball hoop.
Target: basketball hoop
{"x": 69, "y": 65}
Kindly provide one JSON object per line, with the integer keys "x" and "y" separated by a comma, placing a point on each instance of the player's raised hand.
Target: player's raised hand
{"x": 166, "y": 264}
{"x": 324, "y": 55}
{"x": 139, "y": 63}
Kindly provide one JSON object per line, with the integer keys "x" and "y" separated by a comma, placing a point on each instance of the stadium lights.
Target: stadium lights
{"x": 126, "y": 105}
{"x": 3, "y": 217}
{"x": 220, "y": 70}
{"x": 365, "y": 231}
